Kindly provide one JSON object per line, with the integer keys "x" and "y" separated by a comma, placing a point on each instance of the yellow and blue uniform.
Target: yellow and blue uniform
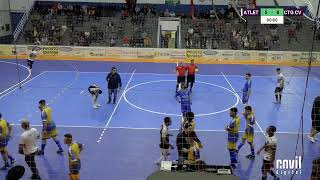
{"x": 49, "y": 127}
{"x": 233, "y": 136}
{"x": 249, "y": 131}
{"x": 4, "y": 134}
{"x": 194, "y": 152}
{"x": 74, "y": 161}
{"x": 245, "y": 92}
{"x": 233, "y": 132}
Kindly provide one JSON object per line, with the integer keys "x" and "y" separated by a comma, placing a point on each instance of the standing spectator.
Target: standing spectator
{"x": 28, "y": 147}
{"x": 165, "y": 145}
{"x": 114, "y": 84}
{"x": 292, "y": 34}
{"x": 74, "y": 156}
{"x": 112, "y": 41}
{"x": 315, "y": 117}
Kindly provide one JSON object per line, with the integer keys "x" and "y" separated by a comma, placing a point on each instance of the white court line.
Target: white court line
{"x": 29, "y": 71}
{"x": 114, "y": 110}
{"x": 154, "y": 129}
{"x": 240, "y": 99}
{"x": 161, "y": 74}
{"x": 22, "y": 84}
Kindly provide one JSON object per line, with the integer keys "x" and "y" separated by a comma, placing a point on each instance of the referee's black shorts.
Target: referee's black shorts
{"x": 191, "y": 78}
{"x": 181, "y": 79}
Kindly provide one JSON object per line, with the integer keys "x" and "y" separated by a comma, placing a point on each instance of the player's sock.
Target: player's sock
{"x": 276, "y": 97}
{"x": 233, "y": 157}
{"x": 280, "y": 96}
{"x": 252, "y": 151}
{"x": 59, "y": 145}
{"x": 191, "y": 86}
{"x": 43, "y": 146}
{"x": 240, "y": 145}
{"x": 177, "y": 86}
{"x": 264, "y": 177}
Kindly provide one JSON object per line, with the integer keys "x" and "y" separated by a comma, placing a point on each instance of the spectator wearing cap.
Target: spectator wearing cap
{"x": 28, "y": 147}
{"x": 114, "y": 84}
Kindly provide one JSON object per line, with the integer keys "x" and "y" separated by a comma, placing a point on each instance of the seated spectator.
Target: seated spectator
{"x": 112, "y": 42}
{"x": 147, "y": 41}
{"x": 190, "y": 31}
{"x": 125, "y": 41}
{"x": 166, "y": 13}
{"x": 172, "y": 14}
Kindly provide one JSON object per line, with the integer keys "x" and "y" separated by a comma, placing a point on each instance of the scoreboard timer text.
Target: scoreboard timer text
{"x": 271, "y": 15}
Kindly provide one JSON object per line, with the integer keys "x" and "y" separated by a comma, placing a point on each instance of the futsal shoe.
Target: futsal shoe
{"x": 311, "y": 139}
{"x": 98, "y": 105}
{"x": 5, "y": 167}
{"x": 12, "y": 161}
{"x": 95, "y": 107}
{"x": 109, "y": 102}
{"x": 250, "y": 156}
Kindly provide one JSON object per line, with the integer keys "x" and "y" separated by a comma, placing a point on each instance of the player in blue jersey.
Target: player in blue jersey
{"x": 183, "y": 96}
{"x": 246, "y": 91}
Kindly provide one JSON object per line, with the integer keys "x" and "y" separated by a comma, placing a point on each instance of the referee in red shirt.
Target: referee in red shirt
{"x": 192, "y": 69}
{"x": 181, "y": 73}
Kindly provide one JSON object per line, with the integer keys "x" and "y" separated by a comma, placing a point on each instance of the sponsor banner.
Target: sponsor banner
{"x": 50, "y": 50}
{"x": 21, "y": 50}
{"x": 196, "y": 54}
{"x": 305, "y": 56}
{"x": 95, "y": 52}
{"x": 145, "y": 53}
{"x": 293, "y": 56}
{"x": 242, "y": 55}
{"x": 259, "y": 55}
{"x": 227, "y": 55}
{"x": 212, "y": 55}
{"x": 275, "y": 56}
{"x": 69, "y": 51}
{"x": 169, "y": 54}
{"x": 6, "y": 50}
{"x": 113, "y": 52}
{"x": 131, "y": 53}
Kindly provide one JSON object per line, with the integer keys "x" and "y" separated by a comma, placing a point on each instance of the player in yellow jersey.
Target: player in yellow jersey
{"x": 5, "y": 134}
{"x": 74, "y": 157}
{"x": 233, "y": 135}
{"x": 49, "y": 129}
{"x": 249, "y": 131}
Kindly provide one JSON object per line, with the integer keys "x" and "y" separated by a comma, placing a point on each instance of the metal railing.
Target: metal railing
{"x": 22, "y": 22}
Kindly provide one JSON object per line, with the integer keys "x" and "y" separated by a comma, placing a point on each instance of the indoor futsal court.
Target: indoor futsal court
{"x": 122, "y": 140}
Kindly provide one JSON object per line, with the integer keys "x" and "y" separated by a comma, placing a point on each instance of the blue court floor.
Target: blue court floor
{"x": 121, "y": 140}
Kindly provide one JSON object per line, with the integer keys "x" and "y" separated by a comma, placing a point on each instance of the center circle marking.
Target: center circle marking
{"x": 170, "y": 114}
